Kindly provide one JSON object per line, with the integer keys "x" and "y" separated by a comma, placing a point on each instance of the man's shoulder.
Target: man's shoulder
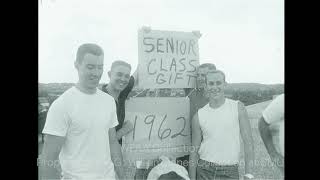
{"x": 205, "y": 107}
{"x": 235, "y": 104}
{"x": 281, "y": 97}
{"x": 66, "y": 95}
{"x": 64, "y": 100}
{"x": 233, "y": 101}
{"x": 276, "y": 104}
{"x": 275, "y": 110}
{"x": 278, "y": 101}
{"x": 104, "y": 95}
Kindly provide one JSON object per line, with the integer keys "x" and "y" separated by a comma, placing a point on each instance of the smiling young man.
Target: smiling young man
{"x": 119, "y": 87}
{"x": 197, "y": 96}
{"x": 216, "y": 131}
{"x": 80, "y": 125}
{"x": 197, "y": 100}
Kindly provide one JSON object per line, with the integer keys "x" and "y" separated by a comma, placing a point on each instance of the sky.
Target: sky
{"x": 243, "y": 38}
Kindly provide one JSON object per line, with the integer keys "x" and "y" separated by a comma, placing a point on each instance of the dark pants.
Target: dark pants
{"x": 208, "y": 170}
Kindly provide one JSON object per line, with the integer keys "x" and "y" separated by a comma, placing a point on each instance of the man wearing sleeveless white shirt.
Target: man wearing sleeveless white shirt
{"x": 216, "y": 132}
{"x": 274, "y": 113}
{"x": 80, "y": 126}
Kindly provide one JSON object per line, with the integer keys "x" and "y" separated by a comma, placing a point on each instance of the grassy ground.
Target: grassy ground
{"x": 264, "y": 168}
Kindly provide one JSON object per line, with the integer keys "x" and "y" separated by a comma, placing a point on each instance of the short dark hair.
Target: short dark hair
{"x": 218, "y": 71}
{"x": 120, "y": 63}
{"x": 210, "y": 66}
{"x": 88, "y": 48}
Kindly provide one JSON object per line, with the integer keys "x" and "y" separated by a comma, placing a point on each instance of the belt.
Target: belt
{"x": 204, "y": 163}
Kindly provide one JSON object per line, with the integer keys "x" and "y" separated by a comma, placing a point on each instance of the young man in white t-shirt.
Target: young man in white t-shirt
{"x": 274, "y": 113}
{"x": 216, "y": 132}
{"x": 80, "y": 133}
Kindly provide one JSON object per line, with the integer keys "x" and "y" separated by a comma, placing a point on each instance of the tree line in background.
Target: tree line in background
{"x": 253, "y": 97}
{"x": 248, "y": 93}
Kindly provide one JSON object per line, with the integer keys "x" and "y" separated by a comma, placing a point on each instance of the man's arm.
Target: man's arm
{"x": 193, "y": 103}
{"x": 246, "y": 135}
{"x": 125, "y": 92}
{"x": 115, "y": 152}
{"x": 49, "y": 159}
{"x": 196, "y": 136}
{"x": 266, "y": 137}
{"x": 127, "y": 127}
{"x": 135, "y": 76}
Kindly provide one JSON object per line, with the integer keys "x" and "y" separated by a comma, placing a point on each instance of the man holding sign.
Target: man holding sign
{"x": 119, "y": 88}
{"x": 197, "y": 96}
{"x": 197, "y": 99}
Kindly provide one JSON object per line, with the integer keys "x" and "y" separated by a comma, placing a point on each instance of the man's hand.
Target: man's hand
{"x": 115, "y": 152}
{"x": 197, "y": 34}
{"x": 135, "y": 76}
{"x": 266, "y": 136}
{"x": 127, "y": 127}
{"x": 146, "y": 29}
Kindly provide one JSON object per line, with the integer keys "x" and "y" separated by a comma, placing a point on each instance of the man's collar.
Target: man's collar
{"x": 104, "y": 88}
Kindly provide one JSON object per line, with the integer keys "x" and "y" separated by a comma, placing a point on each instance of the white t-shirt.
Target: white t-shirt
{"x": 274, "y": 113}
{"x": 221, "y": 133}
{"x": 84, "y": 120}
